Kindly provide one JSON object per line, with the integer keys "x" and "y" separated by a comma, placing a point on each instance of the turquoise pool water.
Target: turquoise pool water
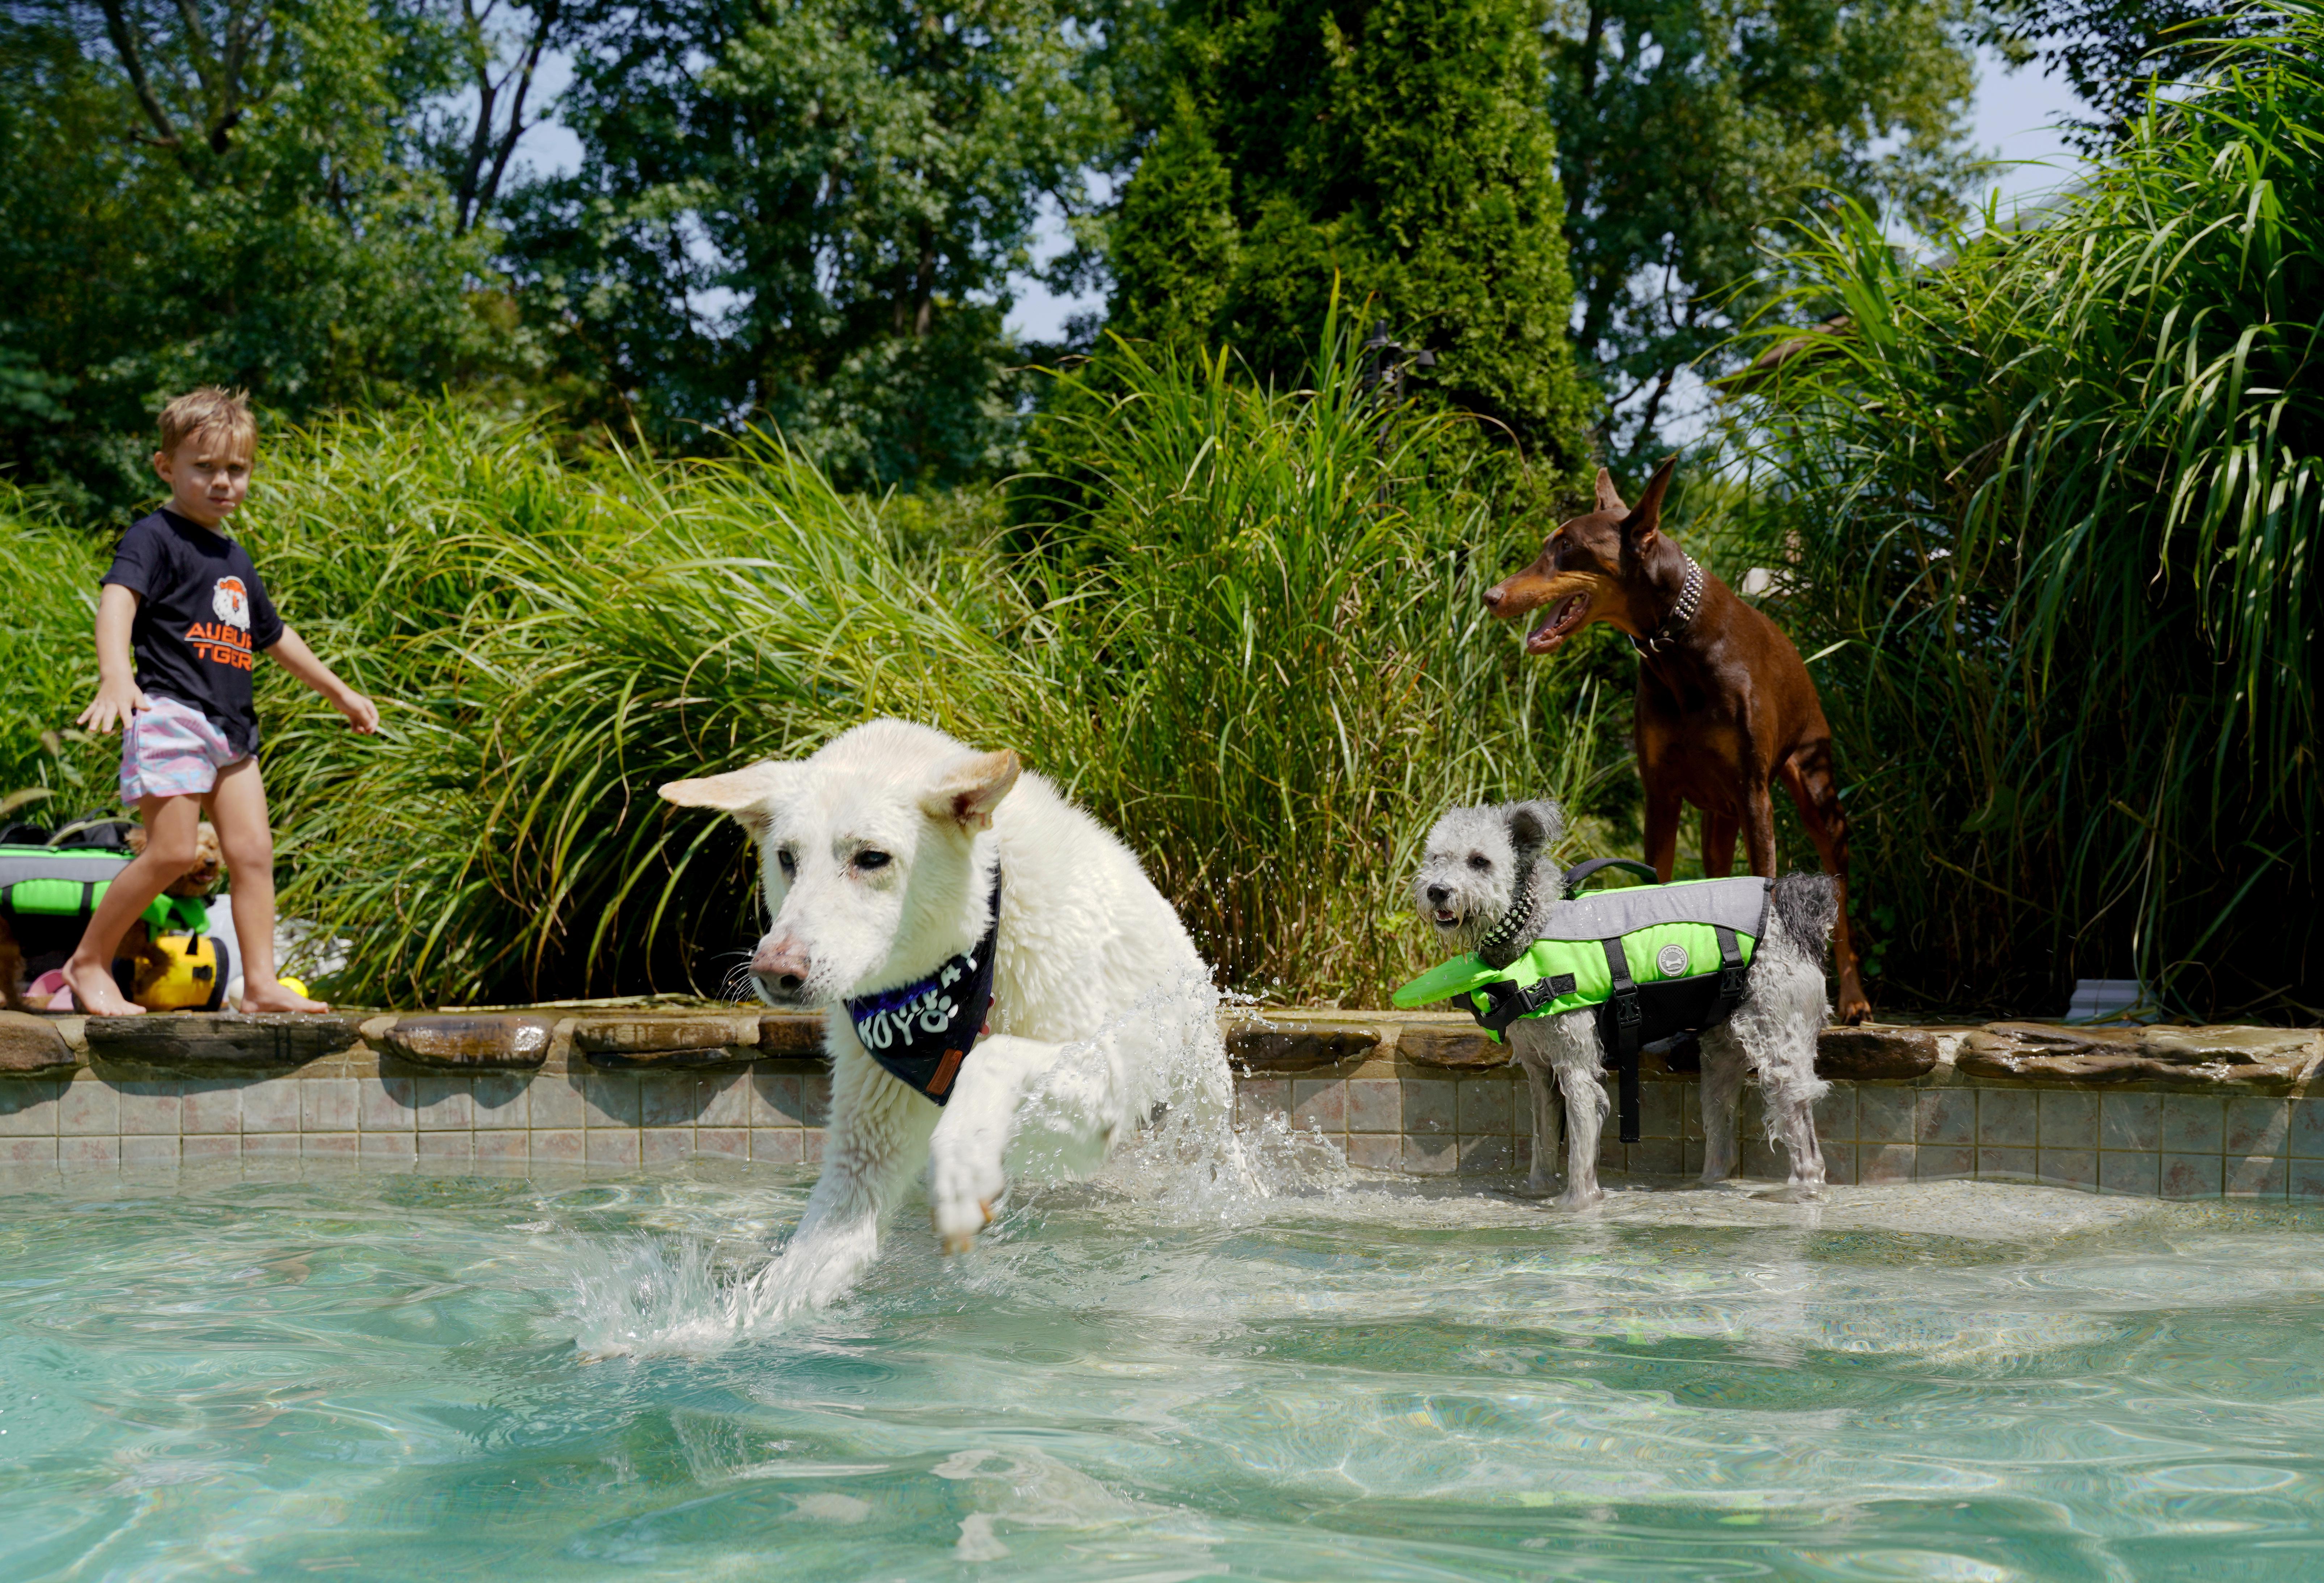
{"x": 390, "y": 1376}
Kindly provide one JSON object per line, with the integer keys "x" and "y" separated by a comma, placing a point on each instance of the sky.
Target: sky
{"x": 2013, "y": 122}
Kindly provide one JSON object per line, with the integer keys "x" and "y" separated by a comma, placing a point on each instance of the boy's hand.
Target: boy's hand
{"x": 361, "y": 711}
{"x": 115, "y": 701}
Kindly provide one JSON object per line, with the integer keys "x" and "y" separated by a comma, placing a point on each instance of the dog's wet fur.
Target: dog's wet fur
{"x": 1484, "y": 881}
{"x": 877, "y": 861}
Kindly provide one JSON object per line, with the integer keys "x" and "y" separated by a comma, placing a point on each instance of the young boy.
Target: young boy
{"x": 180, "y": 620}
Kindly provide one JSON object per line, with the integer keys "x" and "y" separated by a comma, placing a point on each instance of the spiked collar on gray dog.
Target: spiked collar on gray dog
{"x": 1507, "y": 940}
{"x": 1689, "y": 599}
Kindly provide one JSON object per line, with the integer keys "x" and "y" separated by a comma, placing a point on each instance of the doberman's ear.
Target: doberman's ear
{"x": 1645, "y": 519}
{"x": 1609, "y": 498}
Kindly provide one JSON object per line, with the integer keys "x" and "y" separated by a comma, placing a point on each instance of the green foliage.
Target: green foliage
{"x": 1691, "y": 130}
{"x": 1264, "y": 662}
{"x": 1174, "y": 247}
{"x": 2058, "y": 503}
{"x": 807, "y": 210}
{"x": 212, "y": 193}
{"x": 1397, "y": 148}
{"x": 2114, "y": 53}
{"x": 48, "y": 585}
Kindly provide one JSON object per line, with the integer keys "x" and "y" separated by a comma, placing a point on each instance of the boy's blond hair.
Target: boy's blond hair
{"x": 212, "y": 409}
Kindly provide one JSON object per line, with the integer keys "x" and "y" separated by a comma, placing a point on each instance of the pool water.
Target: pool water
{"x": 401, "y": 1377}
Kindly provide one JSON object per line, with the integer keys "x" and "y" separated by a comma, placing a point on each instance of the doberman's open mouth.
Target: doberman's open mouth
{"x": 1561, "y": 624}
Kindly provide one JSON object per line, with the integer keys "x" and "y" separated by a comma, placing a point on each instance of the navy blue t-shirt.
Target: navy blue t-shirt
{"x": 202, "y": 621}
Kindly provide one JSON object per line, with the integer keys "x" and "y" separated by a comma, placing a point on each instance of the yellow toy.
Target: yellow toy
{"x": 181, "y": 973}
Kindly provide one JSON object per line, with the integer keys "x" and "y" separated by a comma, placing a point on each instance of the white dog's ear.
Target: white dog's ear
{"x": 967, "y": 790}
{"x": 1535, "y": 824}
{"x": 738, "y": 792}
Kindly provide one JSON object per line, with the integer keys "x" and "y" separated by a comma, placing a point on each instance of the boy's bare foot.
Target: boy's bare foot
{"x": 95, "y": 993}
{"x": 269, "y": 996}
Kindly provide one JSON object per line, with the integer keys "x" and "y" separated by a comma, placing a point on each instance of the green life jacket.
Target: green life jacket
{"x": 61, "y": 886}
{"x": 1659, "y": 961}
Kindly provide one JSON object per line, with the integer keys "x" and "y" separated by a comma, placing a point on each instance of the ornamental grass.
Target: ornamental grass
{"x": 2052, "y": 507}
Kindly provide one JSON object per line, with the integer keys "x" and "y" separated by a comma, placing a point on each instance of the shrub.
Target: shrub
{"x": 2057, "y": 502}
{"x": 1256, "y": 650}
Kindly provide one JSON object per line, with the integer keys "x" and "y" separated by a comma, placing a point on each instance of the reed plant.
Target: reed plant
{"x": 1253, "y": 645}
{"x": 1276, "y": 628}
{"x": 50, "y": 772}
{"x": 2049, "y": 510}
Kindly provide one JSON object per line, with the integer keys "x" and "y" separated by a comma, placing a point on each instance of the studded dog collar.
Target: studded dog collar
{"x": 1689, "y": 599}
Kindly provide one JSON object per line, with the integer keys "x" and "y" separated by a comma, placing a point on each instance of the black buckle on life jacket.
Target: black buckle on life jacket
{"x": 1730, "y": 977}
{"x": 1511, "y": 1002}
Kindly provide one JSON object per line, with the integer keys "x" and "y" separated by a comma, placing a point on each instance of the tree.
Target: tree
{"x": 1691, "y": 130}
{"x": 2114, "y": 53}
{"x": 808, "y": 211}
{"x": 1398, "y": 146}
{"x": 213, "y": 191}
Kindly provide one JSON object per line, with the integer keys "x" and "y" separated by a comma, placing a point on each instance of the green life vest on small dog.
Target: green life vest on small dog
{"x": 65, "y": 883}
{"x": 1659, "y": 961}
{"x": 48, "y": 894}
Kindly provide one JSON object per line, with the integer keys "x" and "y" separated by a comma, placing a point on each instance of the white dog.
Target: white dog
{"x": 1486, "y": 886}
{"x": 879, "y": 857}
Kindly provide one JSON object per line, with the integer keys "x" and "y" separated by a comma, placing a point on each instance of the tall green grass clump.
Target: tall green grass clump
{"x": 549, "y": 643}
{"x": 1253, "y": 645}
{"x": 2056, "y": 502}
{"x": 49, "y": 773}
{"x": 1269, "y": 605}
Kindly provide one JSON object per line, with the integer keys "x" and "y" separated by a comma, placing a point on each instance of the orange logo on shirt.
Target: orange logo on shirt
{"x": 221, "y": 644}
{"x": 226, "y": 640}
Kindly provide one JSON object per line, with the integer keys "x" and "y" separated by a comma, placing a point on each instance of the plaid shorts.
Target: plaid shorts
{"x": 172, "y": 751}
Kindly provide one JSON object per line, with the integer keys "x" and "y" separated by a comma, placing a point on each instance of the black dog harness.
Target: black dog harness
{"x": 922, "y": 1031}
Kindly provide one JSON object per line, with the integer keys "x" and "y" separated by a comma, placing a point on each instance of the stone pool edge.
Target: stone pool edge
{"x": 2174, "y": 1113}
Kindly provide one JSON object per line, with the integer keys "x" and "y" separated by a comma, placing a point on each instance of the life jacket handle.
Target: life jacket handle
{"x": 1580, "y": 874}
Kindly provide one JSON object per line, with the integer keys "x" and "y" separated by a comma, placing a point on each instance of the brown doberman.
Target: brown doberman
{"x": 1724, "y": 703}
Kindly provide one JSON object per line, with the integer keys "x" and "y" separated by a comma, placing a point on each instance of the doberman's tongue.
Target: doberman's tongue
{"x": 1561, "y": 622}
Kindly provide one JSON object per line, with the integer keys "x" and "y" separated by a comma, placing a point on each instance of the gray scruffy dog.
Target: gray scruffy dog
{"x": 1484, "y": 883}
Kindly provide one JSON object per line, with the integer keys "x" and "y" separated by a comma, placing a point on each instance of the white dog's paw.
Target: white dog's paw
{"x": 1540, "y": 1185}
{"x": 1582, "y": 1198}
{"x": 963, "y": 1190}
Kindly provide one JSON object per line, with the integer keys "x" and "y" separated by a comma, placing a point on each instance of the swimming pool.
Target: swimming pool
{"x": 390, "y": 1375}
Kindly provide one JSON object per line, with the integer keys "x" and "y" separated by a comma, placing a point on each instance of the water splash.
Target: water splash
{"x": 1161, "y": 1057}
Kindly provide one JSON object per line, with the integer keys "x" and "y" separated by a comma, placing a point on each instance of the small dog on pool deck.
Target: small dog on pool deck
{"x": 1482, "y": 865}
{"x": 881, "y": 858}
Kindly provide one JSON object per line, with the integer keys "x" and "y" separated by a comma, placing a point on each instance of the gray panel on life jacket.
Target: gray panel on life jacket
{"x": 1740, "y": 905}
{"x": 77, "y": 864}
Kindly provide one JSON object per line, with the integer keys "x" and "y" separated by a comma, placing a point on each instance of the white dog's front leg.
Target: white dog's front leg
{"x": 877, "y": 1138}
{"x": 967, "y": 1155}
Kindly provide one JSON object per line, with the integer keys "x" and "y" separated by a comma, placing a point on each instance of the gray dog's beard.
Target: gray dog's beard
{"x": 1506, "y": 941}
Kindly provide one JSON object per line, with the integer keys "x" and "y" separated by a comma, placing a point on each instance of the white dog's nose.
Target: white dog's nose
{"x": 1438, "y": 895}
{"x": 781, "y": 963}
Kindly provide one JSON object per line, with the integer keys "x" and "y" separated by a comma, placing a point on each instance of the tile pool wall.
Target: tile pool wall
{"x": 1409, "y": 1094}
